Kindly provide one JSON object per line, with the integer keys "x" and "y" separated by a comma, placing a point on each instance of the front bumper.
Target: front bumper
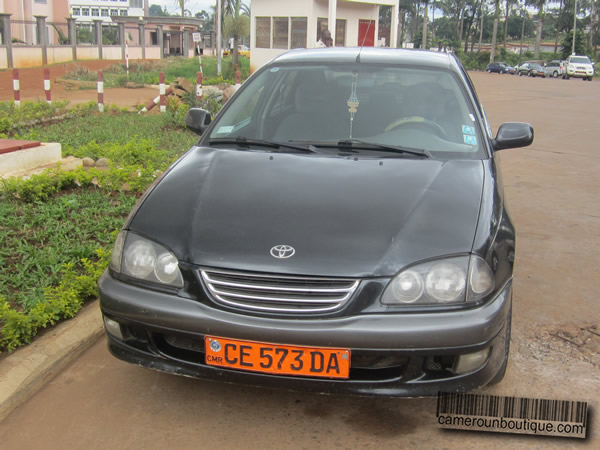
{"x": 421, "y": 345}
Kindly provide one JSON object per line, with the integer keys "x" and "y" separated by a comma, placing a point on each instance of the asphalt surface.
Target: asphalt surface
{"x": 552, "y": 190}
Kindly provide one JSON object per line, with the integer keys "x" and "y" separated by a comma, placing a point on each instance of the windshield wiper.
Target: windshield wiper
{"x": 357, "y": 143}
{"x": 245, "y": 142}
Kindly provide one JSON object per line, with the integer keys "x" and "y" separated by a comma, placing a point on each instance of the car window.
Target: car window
{"x": 580, "y": 60}
{"x": 400, "y": 106}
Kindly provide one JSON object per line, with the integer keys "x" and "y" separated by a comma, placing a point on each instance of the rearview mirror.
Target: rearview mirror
{"x": 513, "y": 135}
{"x": 197, "y": 120}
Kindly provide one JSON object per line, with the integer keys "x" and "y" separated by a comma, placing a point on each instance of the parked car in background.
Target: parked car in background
{"x": 243, "y": 50}
{"x": 579, "y": 66}
{"x": 532, "y": 70}
{"x": 553, "y": 69}
{"x": 311, "y": 242}
{"x": 500, "y": 67}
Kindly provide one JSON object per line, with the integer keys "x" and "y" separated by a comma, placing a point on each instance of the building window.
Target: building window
{"x": 42, "y": 1}
{"x": 136, "y": 3}
{"x": 263, "y": 32}
{"x": 95, "y": 12}
{"x": 104, "y": 12}
{"x": 114, "y": 12}
{"x": 340, "y": 32}
{"x": 123, "y": 12}
{"x": 85, "y": 11}
{"x": 299, "y": 30}
{"x": 76, "y": 11}
{"x": 321, "y": 25}
{"x": 280, "y": 32}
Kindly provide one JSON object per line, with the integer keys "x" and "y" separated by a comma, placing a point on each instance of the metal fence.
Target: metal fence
{"x": 24, "y": 32}
{"x": 57, "y": 33}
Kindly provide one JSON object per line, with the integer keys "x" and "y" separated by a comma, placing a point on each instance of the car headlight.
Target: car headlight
{"x": 441, "y": 282}
{"x": 146, "y": 260}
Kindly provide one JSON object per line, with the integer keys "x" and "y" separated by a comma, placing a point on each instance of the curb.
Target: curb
{"x": 27, "y": 370}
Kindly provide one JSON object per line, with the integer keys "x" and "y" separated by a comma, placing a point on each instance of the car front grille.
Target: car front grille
{"x": 278, "y": 293}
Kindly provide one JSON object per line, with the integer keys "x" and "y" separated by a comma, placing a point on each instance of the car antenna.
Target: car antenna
{"x": 362, "y": 44}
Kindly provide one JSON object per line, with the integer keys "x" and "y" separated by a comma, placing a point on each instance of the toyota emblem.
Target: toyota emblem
{"x": 282, "y": 251}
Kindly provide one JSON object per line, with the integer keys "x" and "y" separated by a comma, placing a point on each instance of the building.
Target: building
{"x": 23, "y": 15}
{"x": 277, "y": 26}
{"x": 89, "y": 10}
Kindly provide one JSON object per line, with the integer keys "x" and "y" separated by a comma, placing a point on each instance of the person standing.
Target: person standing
{"x": 325, "y": 39}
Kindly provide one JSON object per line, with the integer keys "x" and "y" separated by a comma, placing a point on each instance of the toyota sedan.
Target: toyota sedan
{"x": 340, "y": 227}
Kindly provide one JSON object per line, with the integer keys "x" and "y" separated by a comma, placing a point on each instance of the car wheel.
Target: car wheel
{"x": 489, "y": 71}
{"x": 520, "y": 74}
{"x": 567, "y": 76}
{"x": 555, "y": 74}
{"x": 589, "y": 78}
{"x": 502, "y": 371}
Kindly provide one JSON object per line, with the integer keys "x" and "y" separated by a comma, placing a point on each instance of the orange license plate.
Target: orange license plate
{"x": 277, "y": 359}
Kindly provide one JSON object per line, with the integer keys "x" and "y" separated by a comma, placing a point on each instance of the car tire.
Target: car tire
{"x": 589, "y": 78}
{"x": 489, "y": 71}
{"x": 555, "y": 74}
{"x": 502, "y": 371}
{"x": 520, "y": 74}
{"x": 566, "y": 76}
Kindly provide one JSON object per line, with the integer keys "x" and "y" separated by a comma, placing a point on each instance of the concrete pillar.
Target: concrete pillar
{"x": 186, "y": 43}
{"x": 122, "y": 39}
{"x": 160, "y": 40}
{"x": 98, "y": 34}
{"x": 72, "y": 36}
{"x": 7, "y": 38}
{"x": 142, "y": 26}
{"x": 394, "y": 27}
{"x": 332, "y": 18}
{"x": 41, "y": 32}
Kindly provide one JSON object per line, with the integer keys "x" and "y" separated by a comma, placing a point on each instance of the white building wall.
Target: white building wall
{"x": 349, "y": 10}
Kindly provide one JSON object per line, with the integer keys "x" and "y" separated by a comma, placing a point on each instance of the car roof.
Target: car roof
{"x": 369, "y": 55}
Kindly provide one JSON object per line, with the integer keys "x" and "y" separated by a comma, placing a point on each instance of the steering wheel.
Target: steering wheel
{"x": 419, "y": 121}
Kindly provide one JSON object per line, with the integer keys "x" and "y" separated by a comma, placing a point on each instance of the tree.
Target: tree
{"x": 236, "y": 25}
{"x": 157, "y": 11}
{"x": 539, "y": 4}
{"x": 495, "y": 31}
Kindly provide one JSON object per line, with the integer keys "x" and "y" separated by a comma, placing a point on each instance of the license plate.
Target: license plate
{"x": 277, "y": 359}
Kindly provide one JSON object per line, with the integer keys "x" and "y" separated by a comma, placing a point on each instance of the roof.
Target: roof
{"x": 372, "y": 55}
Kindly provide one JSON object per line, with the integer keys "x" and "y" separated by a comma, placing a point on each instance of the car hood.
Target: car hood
{"x": 343, "y": 216}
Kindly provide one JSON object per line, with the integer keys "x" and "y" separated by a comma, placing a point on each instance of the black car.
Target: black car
{"x": 497, "y": 67}
{"x": 532, "y": 70}
{"x": 340, "y": 227}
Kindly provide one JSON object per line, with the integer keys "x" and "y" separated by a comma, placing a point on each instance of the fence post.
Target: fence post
{"x": 122, "y": 39}
{"x": 199, "y": 85}
{"x": 161, "y": 41}
{"x": 47, "y": 86}
{"x": 98, "y": 32}
{"x": 41, "y": 32}
{"x": 72, "y": 36}
{"x": 7, "y": 38}
{"x": 16, "y": 87}
{"x": 142, "y": 30}
{"x": 100, "y": 91}
{"x": 163, "y": 99}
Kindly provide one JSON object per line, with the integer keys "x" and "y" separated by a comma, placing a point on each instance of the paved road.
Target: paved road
{"x": 553, "y": 192}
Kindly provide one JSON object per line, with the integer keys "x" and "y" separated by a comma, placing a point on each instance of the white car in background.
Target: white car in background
{"x": 579, "y": 66}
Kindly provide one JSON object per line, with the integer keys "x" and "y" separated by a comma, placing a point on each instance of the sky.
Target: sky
{"x": 193, "y": 5}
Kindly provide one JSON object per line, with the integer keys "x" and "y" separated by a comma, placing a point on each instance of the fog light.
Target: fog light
{"x": 113, "y": 327}
{"x": 471, "y": 361}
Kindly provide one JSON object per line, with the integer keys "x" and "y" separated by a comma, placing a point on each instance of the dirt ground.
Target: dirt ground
{"x": 32, "y": 86}
{"x": 552, "y": 189}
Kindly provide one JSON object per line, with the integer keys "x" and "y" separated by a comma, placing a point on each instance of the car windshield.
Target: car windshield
{"x": 580, "y": 60}
{"x": 414, "y": 108}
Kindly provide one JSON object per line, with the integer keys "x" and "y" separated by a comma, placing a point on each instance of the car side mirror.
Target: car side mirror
{"x": 513, "y": 135}
{"x": 197, "y": 120}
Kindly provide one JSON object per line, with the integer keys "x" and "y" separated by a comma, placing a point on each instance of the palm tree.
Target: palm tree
{"x": 539, "y": 4}
{"x": 236, "y": 24}
{"x": 495, "y": 30}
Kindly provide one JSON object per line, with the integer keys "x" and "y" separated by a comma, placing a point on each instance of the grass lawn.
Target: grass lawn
{"x": 57, "y": 229}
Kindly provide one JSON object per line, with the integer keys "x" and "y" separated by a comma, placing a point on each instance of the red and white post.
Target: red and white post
{"x": 16, "y": 87}
{"x": 163, "y": 97}
{"x": 47, "y": 86}
{"x": 100, "y": 91}
{"x": 199, "y": 85}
